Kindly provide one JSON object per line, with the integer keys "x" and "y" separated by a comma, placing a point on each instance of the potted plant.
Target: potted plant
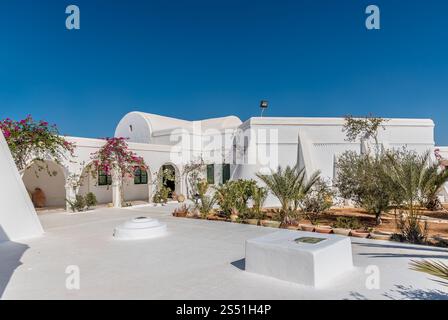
{"x": 181, "y": 212}
{"x": 323, "y": 229}
{"x": 381, "y": 235}
{"x": 270, "y": 223}
{"x": 360, "y": 233}
{"x": 307, "y": 227}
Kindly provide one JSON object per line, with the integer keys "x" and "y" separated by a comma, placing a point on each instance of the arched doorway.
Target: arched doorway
{"x": 170, "y": 178}
{"x": 45, "y": 182}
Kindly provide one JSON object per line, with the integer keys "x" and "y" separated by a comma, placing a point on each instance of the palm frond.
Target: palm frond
{"x": 433, "y": 268}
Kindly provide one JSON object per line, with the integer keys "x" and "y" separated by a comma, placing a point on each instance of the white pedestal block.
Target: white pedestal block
{"x": 284, "y": 256}
{"x": 140, "y": 228}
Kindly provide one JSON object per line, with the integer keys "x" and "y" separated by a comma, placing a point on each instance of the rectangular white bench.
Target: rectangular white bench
{"x": 288, "y": 255}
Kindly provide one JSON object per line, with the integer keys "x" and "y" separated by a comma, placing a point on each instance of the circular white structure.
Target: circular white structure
{"x": 140, "y": 228}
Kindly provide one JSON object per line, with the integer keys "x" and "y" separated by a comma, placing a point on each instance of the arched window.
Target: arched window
{"x": 140, "y": 176}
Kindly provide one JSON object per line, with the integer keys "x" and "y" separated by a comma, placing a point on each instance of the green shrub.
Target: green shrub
{"x": 411, "y": 228}
{"x": 317, "y": 200}
{"x": 363, "y": 179}
{"x": 78, "y": 205}
{"x": 161, "y": 195}
{"x": 347, "y": 223}
{"x": 90, "y": 200}
{"x": 206, "y": 202}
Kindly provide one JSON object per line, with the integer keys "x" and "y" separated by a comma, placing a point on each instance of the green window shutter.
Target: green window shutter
{"x": 140, "y": 176}
{"x": 103, "y": 179}
{"x": 211, "y": 174}
{"x": 225, "y": 172}
{"x": 137, "y": 176}
{"x": 144, "y": 177}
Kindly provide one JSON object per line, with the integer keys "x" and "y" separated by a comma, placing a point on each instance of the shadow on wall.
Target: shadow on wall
{"x": 10, "y": 255}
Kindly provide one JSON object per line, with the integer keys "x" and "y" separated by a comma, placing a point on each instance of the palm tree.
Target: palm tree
{"x": 289, "y": 186}
{"x": 417, "y": 179}
{"x": 433, "y": 268}
{"x": 432, "y": 182}
{"x": 407, "y": 171}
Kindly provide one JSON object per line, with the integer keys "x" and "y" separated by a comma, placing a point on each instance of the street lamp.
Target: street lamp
{"x": 263, "y": 105}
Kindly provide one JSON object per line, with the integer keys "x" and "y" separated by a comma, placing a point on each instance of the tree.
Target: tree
{"x": 289, "y": 186}
{"x": 191, "y": 173}
{"x": 363, "y": 180}
{"x": 432, "y": 182}
{"x": 115, "y": 158}
{"x": 37, "y": 141}
{"x": 317, "y": 200}
{"x": 363, "y": 129}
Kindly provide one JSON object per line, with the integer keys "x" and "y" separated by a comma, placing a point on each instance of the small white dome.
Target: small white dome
{"x": 140, "y": 228}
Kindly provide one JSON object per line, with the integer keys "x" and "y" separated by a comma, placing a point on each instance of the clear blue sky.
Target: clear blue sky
{"x": 197, "y": 59}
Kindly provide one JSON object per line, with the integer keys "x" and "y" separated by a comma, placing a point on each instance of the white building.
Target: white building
{"x": 231, "y": 149}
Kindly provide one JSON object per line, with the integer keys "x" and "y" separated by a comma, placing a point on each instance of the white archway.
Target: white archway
{"x": 90, "y": 183}
{"x": 50, "y": 178}
{"x": 176, "y": 184}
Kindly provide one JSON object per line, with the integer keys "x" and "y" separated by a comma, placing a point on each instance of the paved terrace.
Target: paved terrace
{"x": 197, "y": 260}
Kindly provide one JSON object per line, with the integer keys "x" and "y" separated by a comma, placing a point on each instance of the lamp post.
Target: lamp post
{"x": 263, "y": 105}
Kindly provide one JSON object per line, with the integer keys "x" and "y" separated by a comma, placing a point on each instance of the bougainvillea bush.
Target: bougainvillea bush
{"x": 116, "y": 156}
{"x": 30, "y": 140}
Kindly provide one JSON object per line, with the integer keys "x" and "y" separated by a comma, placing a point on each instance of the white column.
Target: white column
{"x": 116, "y": 188}
{"x": 70, "y": 195}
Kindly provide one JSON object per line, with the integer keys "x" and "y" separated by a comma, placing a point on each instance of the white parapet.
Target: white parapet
{"x": 301, "y": 257}
{"x": 140, "y": 228}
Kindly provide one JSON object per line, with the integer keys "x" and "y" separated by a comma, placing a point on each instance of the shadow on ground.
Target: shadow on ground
{"x": 402, "y": 292}
{"x": 10, "y": 255}
{"x": 240, "y": 264}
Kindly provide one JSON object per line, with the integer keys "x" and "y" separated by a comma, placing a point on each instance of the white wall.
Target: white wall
{"x": 53, "y": 186}
{"x": 18, "y": 219}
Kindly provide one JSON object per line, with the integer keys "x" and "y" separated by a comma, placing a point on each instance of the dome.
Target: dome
{"x": 141, "y": 127}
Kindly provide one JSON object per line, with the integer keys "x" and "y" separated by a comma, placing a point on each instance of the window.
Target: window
{"x": 140, "y": 176}
{"x": 104, "y": 179}
{"x": 211, "y": 173}
{"x": 225, "y": 172}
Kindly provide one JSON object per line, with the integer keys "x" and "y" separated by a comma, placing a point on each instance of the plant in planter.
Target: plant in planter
{"x": 344, "y": 225}
{"x": 360, "y": 233}
{"x": 381, "y": 235}
{"x": 181, "y": 212}
{"x": 270, "y": 223}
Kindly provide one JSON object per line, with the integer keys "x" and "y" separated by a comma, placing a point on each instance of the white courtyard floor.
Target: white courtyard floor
{"x": 196, "y": 260}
